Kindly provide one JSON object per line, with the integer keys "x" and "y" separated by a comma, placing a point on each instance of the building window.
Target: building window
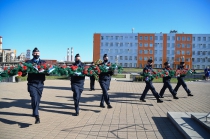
{"x": 121, "y": 37}
{"x": 188, "y": 45}
{"x": 135, "y": 57}
{"x": 183, "y": 52}
{"x": 140, "y": 65}
{"x": 150, "y": 38}
{"x": 141, "y": 38}
{"x": 145, "y": 44}
{"x": 208, "y": 38}
{"x": 151, "y": 52}
{"x": 193, "y": 45}
{"x": 107, "y": 37}
{"x": 173, "y": 52}
{"x": 173, "y": 37}
{"x": 204, "y": 45}
{"x": 193, "y": 52}
{"x": 155, "y": 58}
{"x": 161, "y": 37}
{"x": 204, "y": 38}
{"x": 168, "y": 44}
{"x": 145, "y": 58}
{"x": 111, "y": 38}
{"x": 140, "y": 44}
{"x": 130, "y": 65}
{"x": 168, "y": 52}
{"x": 156, "y": 44}
{"x": 117, "y": 43}
{"x": 145, "y": 51}
{"x": 160, "y": 59}
{"x": 188, "y": 38}
{"x": 183, "y": 38}
{"x": 178, "y": 38}
{"x": 183, "y": 45}
{"x": 136, "y": 37}
{"x": 126, "y": 58}
{"x": 178, "y": 45}
{"x": 178, "y": 52}
{"x": 117, "y": 37}
{"x": 130, "y": 58}
{"x": 140, "y": 58}
{"x": 168, "y": 38}
{"x": 121, "y": 58}
{"x": 198, "y": 59}
{"x": 131, "y": 44}
{"x": 145, "y": 37}
{"x": 106, "y": 44}
{"x": 125, "y": 64}
{"x": 102, "y": 37}
{"x": 121, "y": 44}
{"x": 151, "y": 45}
{"x": 140, "y": 51}
{"x": 156, "y": 37}
{"x": 193, "y": 38}
{"x": 111, "y": 44}
{"x": 199, "y": 38}
{"x": 188, "y": 52}
{"x": 173, "y": 45}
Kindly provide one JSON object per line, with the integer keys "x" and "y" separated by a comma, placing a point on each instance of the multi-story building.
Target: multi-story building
{"x": 134, "y": 49}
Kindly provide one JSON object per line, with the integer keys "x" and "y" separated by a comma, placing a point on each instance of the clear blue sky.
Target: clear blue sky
{"x": 55, "y": 25}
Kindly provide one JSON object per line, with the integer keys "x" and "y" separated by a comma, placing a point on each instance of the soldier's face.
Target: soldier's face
{"x": 77, "y": 59}
{"x": 106, "y": 58}
{"x": 36, "y": 53}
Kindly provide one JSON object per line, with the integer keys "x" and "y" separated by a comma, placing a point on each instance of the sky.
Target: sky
{"x": 55, "y": 25}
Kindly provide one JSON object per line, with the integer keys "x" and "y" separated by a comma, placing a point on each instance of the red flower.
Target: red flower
{"x": 5, "y": 68}
{"x": 8, "y": 71}
{"x": 154, "y": 72}
{"x": 38, "y": 66}
{"x": 162, "y": 75}
{"x": 11, "y": 68}
{"x": 146, "y": 71}
{"x": 166, "y": 73}
{"x": 109, "y": 64}
{"x": 45, "y": 66}
{"x": 64, "y": 66}
{"x": 74, "y": 68}
{"x": 99, "y": 71}
{"x": 85, "y": 71}
{"x": 19, "y": 73}
{"x": 91, "y": 72}
{"x": 24, "y": 67}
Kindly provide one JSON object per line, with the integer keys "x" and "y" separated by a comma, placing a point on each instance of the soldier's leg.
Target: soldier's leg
{"x": 146, "y": 89}
{"x": 35, "y": 99}
{"x": 185, "y": 86}
{"x": 76, "y": 97}
{"x": 154, "y": 92}
{"x": 104, "y": 88}
{"x": 178, "y": 85}
{"x": 171, "y": 89}
{"x": 163, "y": 89}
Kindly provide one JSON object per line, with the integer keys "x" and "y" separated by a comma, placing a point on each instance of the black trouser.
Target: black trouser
{"x": 77, "y": 89}
{"x": 104, "y": 86}
{"x": 35, "y": 89}
{"x": 181, "y": 82}
{"x": 148, "y": 87}
{"x": 92, "y": 82}
{"x": 167, "y": 84}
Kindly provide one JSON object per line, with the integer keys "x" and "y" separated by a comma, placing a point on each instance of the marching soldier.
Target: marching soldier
{"x": 92, "y": 81}
{"x": 104, "y": 81}
{"x": 35, "y": 85}
{"x": 149, "y": 85}
{"x": 77, "y": 84}
{"x": 166, "y": 83}
{"x": 181, "y": 81}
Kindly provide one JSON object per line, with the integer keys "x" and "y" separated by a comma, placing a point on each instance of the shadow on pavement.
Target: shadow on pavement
{"x": 10, "y": 122}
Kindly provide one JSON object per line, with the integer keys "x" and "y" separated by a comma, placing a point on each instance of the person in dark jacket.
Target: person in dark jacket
{"x": 36, "y": 84}
{"x": 77, "y": 84}
{"x": 92, "y": 81}
{"x": 181, "y": 80}
{"x": 166, "y": 82}
{"x": 149, "y": 85}
{"x": 104, "y": 81}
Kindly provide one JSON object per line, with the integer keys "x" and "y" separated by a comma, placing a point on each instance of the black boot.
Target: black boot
{"x": 109, "y": 106}
{"x": 175, "y": 97}
{"x": 102, "y": 106}
{"x": 190, "y": 94}
{"x": 142, "y": 100}
{"x": 37, "y": 121}
{"x": 159, "y": 101}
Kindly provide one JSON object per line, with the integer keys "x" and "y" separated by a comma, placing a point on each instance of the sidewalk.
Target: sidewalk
{"x": 129, "y": 117}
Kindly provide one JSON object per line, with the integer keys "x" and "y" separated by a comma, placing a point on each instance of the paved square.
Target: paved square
{"x": 129, "y": 117}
